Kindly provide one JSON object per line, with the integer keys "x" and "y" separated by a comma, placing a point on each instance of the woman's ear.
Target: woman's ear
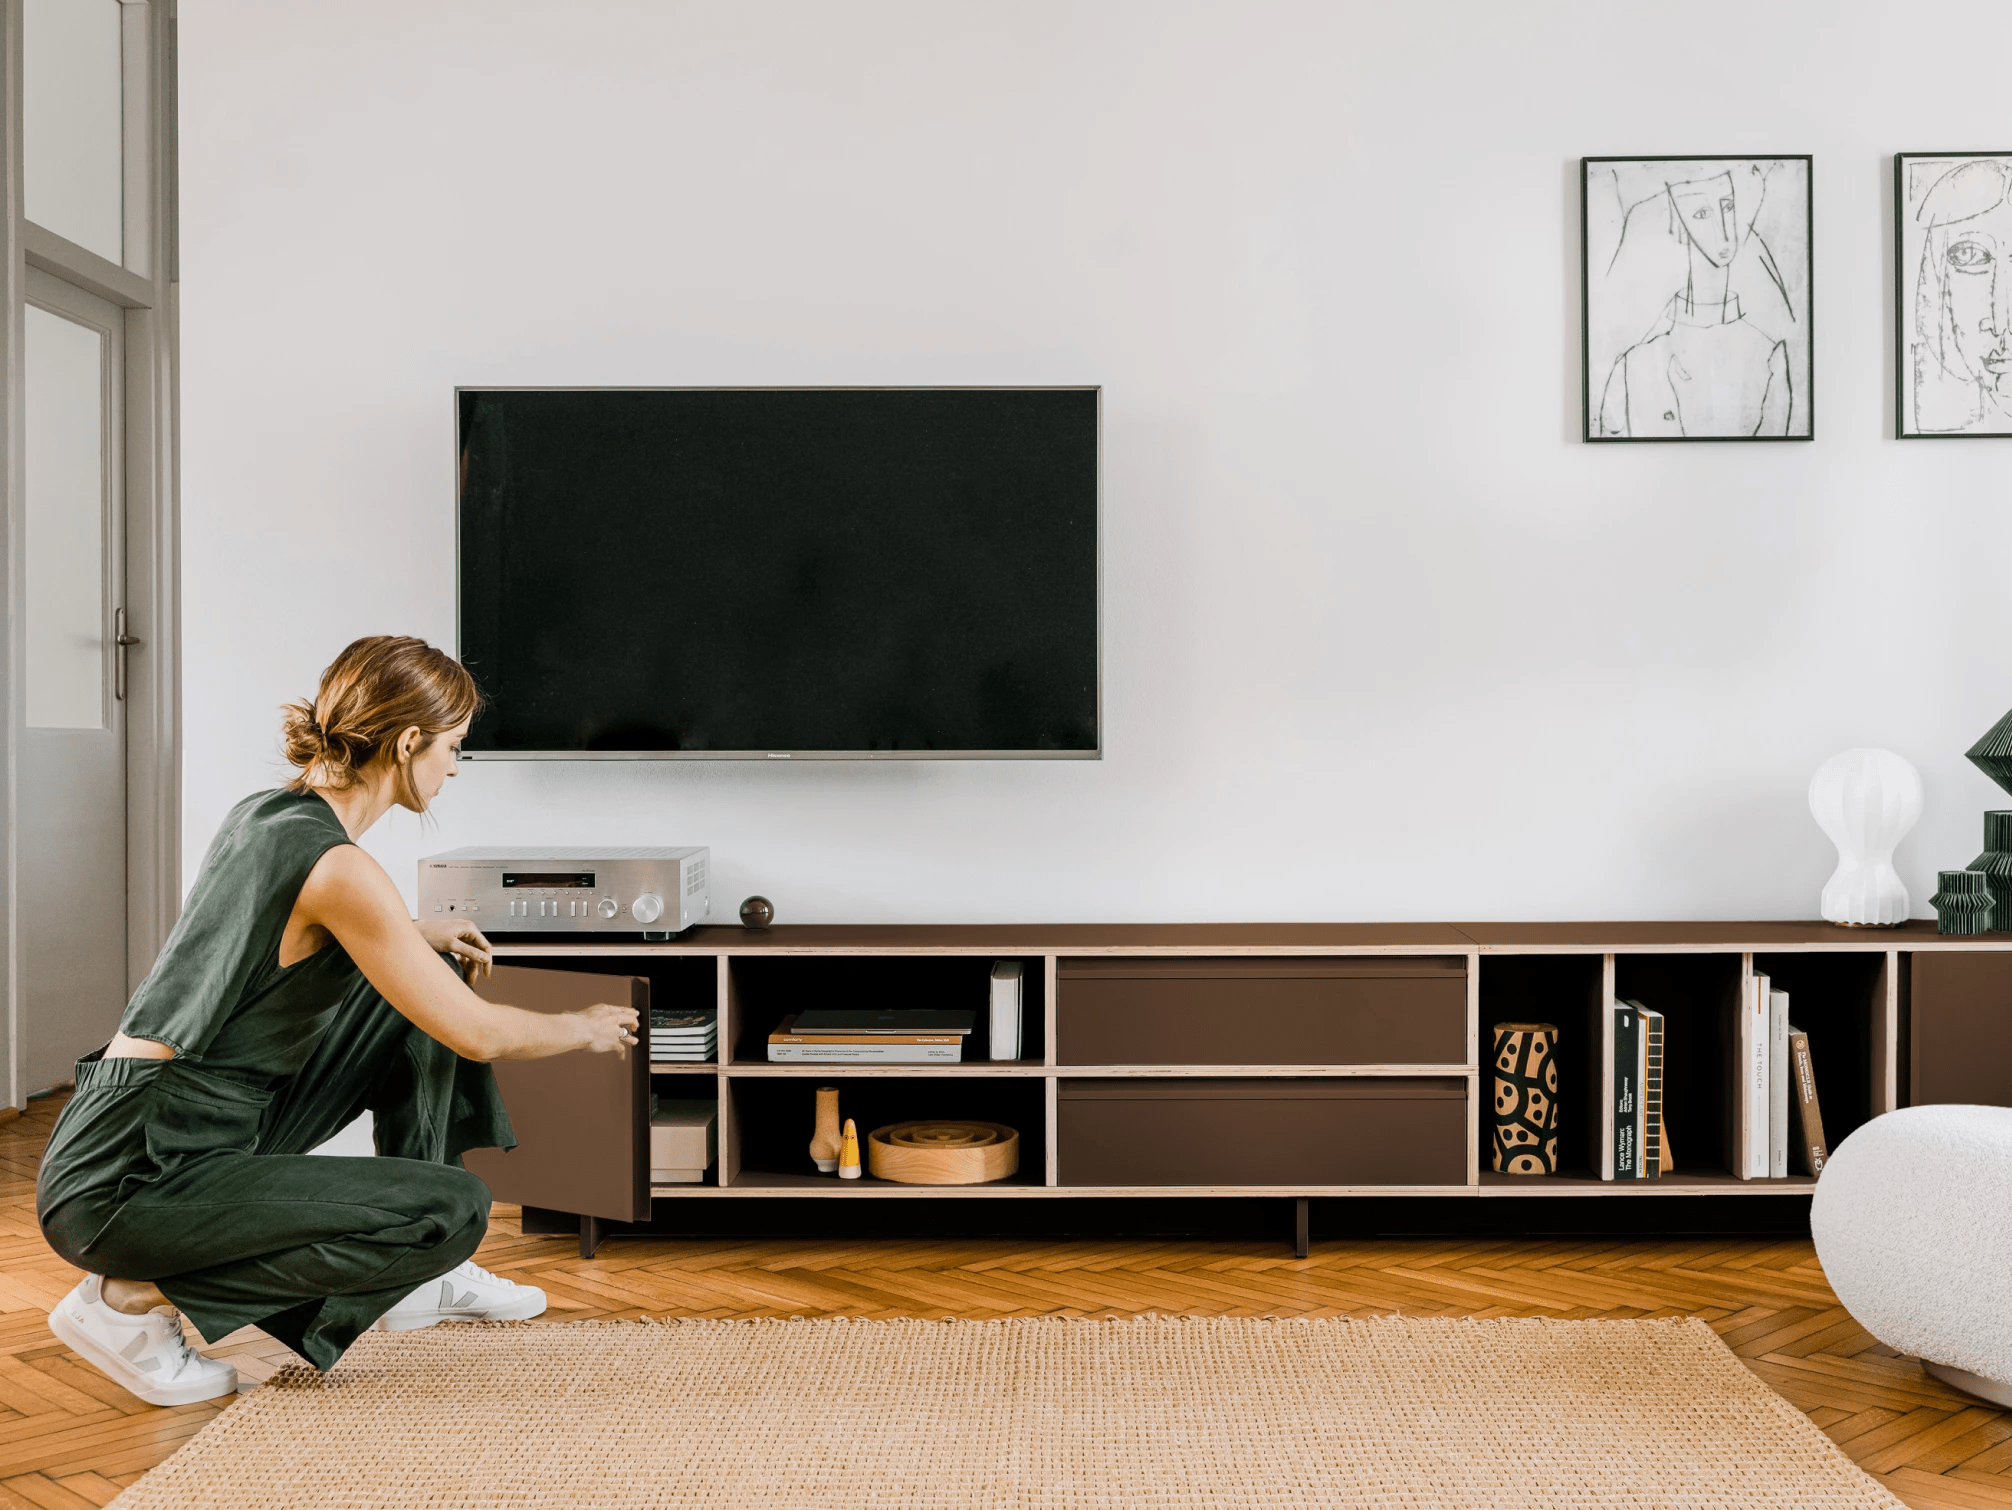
{"x": 408, "y": 744}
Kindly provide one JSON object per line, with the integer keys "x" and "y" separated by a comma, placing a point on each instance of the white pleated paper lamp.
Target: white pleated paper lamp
{"x": 1866, "y": 801}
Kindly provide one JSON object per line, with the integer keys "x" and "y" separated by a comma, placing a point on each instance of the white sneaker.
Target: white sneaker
{"x": 469, "y": 1293}
{"x": 145, "y": 1354}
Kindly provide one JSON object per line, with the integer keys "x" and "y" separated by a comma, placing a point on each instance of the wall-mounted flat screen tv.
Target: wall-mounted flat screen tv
{"x": 768, "y": 573}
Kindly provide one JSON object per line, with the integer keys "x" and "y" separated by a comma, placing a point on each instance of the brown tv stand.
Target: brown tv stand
{"x": 1295, "y": 1060}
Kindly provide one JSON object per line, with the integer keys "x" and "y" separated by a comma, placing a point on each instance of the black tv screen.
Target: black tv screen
{"x": 770, "y": 572}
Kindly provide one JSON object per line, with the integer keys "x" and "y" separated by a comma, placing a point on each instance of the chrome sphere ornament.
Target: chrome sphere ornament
{"x": 757, "y": 912}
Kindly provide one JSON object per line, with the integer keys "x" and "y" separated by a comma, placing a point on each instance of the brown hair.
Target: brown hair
{"x": 379, "y": 687}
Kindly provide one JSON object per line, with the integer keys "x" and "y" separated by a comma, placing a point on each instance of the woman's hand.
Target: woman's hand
{"x": 610, "y": 1029}
{"x": 462, "y": 940}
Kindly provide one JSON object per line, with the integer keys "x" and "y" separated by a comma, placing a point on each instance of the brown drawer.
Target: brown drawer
{"x": 1261, "y": 1011}
{"x": 1262, "y": 1132}
{"x": 1961, "y": 1028}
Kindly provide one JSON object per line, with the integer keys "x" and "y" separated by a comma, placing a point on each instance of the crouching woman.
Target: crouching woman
{"x": 295, "y": 994}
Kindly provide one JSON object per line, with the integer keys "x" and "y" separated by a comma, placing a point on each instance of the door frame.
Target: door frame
{"x": 145, "y": 285}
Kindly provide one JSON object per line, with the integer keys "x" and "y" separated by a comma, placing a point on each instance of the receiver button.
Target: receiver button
{"x": 609, "y": 907}
{"x": 647, "y": 908}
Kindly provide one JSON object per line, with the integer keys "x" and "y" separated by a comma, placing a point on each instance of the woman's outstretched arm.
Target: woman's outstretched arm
{"x": 349, "y": 896}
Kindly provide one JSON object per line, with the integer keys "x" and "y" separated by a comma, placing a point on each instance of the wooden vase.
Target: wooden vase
{"x": 824, "y": 1141}
{"x": 1526, "y": 1099}
{"x": 848, "y": 1152}
{"x": 943, "y": 1153}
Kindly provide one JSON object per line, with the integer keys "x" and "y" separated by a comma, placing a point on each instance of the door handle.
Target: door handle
{"x": 121, "y": 641}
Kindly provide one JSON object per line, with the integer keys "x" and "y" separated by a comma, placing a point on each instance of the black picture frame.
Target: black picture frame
{"x": 1769, "y": 375}
{"x": 1933, "y": 372}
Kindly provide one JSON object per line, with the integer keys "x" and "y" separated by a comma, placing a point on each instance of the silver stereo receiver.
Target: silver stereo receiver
{"x": 655, "y": 892}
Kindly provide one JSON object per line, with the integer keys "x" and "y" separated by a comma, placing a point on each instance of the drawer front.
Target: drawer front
{"x": 1292, "y": 1133}
{"x": 1961, "y": 1016}
{"x": 1400, "y": 1011}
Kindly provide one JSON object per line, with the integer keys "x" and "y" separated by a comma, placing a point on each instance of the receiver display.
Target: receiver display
{"x": 583, "y": 879}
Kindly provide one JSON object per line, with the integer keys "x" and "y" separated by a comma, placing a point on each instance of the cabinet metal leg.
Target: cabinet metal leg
{"x": 590, "y": 1235}
{"x": 1302, "y": 1234}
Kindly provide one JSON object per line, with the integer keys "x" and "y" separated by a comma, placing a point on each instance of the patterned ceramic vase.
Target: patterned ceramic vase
{"x": 1965, "y": 900}
{"x": 1526, "y": 1098}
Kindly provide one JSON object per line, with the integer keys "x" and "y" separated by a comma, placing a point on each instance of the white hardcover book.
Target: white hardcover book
{"x": 1777, "y": 1085}
{"x": 1756, "y": 1076}
{"x": 865, "y": 1053}
{"x": 1006, "y": 1009}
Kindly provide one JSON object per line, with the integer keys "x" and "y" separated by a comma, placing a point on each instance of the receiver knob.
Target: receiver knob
{"x": 647, "y": 908}
{"x": 609, "y": 907}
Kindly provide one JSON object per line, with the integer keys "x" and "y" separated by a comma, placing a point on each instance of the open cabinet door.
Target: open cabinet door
{"x": 582, "y": 1131}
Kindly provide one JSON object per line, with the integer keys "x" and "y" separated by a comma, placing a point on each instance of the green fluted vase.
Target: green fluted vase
{"x": 1996, "y": 865}
{"x": 1993, "y": 753}
{"x": 1963, "y": 902}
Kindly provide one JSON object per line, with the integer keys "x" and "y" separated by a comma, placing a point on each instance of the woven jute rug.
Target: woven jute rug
{"x": 1154, "y": 1414}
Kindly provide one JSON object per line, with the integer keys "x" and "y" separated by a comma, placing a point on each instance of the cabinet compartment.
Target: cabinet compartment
{"x": 1960, "y": 1049}
{"x": 1262, "y": 1011}
{"x": 1262, "y": 1132}
{"x": 774, "y": 1117}
{"x": 1839, "y": 1001}
{"x": 1564, "y": 990}
{"x": 762, "y": 992}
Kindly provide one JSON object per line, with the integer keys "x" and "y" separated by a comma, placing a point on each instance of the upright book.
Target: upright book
{"x": 1811, "y": 1150}
{"x": 1627, "y": 1146}
{"x": 1006, "y": 1009}
{"x": 1652, "y": 1092}
{"x": 1777, "y": 1085}
{"x": 1750, "y": 1090}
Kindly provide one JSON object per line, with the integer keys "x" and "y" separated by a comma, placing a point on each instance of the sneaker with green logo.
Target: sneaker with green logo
{"x": 467, "y": 1293}
{"x": 145, "y": 1354}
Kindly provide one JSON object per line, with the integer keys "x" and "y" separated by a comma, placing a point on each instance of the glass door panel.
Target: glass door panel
{"x": 66, "y": 454}
{"x": 73, "y": 152}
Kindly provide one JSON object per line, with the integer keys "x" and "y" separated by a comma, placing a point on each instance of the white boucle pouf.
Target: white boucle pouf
{"x": 1913, "y": 1224}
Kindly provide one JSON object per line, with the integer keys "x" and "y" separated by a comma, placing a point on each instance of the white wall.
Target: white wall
{"x": 1383, "y": 638}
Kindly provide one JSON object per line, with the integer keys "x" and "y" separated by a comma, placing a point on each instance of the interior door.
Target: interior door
{"x": 72, "y": 768}
{"x": 581, "y": 1119}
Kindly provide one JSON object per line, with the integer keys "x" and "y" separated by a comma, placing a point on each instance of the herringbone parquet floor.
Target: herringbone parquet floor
{"x": 70, "y": 1439}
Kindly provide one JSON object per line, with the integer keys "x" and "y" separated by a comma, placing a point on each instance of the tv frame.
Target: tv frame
{"x": 1095, "y": 753}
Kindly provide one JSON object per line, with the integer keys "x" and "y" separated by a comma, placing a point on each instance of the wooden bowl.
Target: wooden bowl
{"x": 943, "y": 1153}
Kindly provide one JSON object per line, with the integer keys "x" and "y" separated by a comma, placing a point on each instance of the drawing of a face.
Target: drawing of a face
{"x": 1963, "y": 308}
{"x": 1710, "y": 219}
{"x": 1979, "y": 288}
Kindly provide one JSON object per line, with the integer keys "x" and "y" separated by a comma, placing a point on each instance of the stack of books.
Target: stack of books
{"x": 683, "y": 1035}
{"x": 888, "y": 1036}
{"x": 1776, "y": 1118}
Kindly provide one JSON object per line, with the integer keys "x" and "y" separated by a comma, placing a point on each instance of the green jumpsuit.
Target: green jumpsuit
{"x": 193, "y": 1172}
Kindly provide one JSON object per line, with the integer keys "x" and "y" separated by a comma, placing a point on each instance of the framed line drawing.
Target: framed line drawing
{"x": 1696, "y": 287}
{"x": 1952, "y": 297}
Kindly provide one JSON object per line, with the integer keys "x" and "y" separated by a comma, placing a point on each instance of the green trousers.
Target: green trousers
{"x": 200, "y": 1180}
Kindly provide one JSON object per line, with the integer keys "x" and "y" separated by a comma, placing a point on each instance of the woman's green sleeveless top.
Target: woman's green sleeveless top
{"x": 218, "y": 994}
{"x": 238, "y": 1022}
